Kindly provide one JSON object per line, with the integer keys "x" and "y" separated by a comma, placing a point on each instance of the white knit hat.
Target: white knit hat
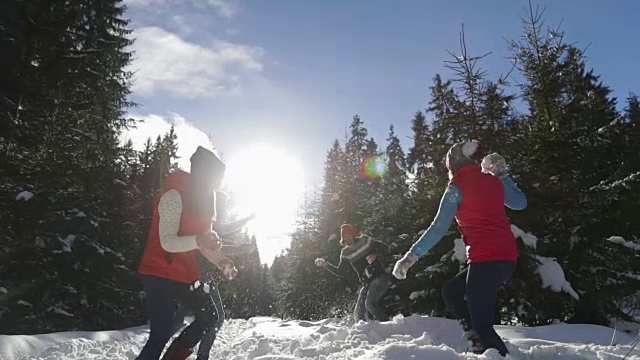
{"x": 460, "y": 154}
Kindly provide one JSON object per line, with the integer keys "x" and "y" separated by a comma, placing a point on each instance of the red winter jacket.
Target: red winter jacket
{"x": 482, "y": 217}
{"x": 181, "y": 267}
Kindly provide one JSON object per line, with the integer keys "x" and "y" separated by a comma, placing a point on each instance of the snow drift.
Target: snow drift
{"x": 414, "y": 337}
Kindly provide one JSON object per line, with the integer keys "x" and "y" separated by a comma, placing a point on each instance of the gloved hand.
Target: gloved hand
{"x": 403, "y": 265}
{"x": 209, "y": 240}
{"x": 229, "y": 270}
{"x": 495, "y": 165}
{"x": 321, "y": 262}
{"x": 371, "y": 258}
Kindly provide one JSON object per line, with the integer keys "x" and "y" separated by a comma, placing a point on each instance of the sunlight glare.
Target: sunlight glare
{"x": 269, "y": 182}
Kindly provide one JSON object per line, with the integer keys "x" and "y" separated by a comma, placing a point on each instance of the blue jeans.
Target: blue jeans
{"x": 369, "y": 298}
{"x": 479, "y": 284}
{"x": 161, "y": 295}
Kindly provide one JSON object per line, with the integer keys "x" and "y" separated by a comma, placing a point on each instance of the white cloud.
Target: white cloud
{"x": 231, "y": 32}
{"x": 183, "y": 25}
{"x": 226, "y": 8}
{"x": 165, "y": 62}
{"x": 189, "y": 136}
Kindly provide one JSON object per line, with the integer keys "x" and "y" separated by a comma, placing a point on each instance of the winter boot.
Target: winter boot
{"x": 177, "y": 351}
{"x": 474, "y": 344}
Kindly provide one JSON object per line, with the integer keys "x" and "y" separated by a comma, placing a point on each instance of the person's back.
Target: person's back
{"x": 178, "y": 266}
{"x": 481, "y": 216}
{"x": 475, "y": 198}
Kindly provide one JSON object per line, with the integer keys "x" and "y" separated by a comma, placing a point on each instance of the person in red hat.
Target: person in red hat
{"x": 476, "y": 198}
{"x": 361, "y": 255}
{"x": 181, "y": 229}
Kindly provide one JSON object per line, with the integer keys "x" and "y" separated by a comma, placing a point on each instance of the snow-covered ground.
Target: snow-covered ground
{"x": 414, "y": 337}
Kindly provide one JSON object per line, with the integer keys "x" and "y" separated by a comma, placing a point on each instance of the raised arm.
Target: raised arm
{"x": 231, "y": 250}
{"x": 496, "y": 165}
{"x": 440, "y": 225}
{"x": 449, "y": 203}
{"x": 514, "y": 198}
{"x": 232, "y": 227}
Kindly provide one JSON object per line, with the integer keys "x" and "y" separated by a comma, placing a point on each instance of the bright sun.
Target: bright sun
{"x": 269, "y": 182}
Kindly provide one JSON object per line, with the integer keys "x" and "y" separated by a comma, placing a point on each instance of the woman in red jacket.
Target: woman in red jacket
{"x": 181, "y": 228}
{"x": 476, "y": 198}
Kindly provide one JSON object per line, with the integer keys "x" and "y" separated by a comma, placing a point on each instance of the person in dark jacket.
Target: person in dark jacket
{"x": 361, "y": 255}
{"x": 476, "y": 197}
{"x": 210, "y": 278}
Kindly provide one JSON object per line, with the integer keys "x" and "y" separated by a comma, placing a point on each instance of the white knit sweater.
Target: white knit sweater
{"x": 170, "y": 212}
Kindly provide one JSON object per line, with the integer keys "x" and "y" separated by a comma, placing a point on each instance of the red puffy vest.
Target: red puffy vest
{"x": 181, "y": 267}
{"x": 482, "y": 217}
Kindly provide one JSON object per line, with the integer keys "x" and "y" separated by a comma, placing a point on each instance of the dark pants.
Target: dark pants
{"x": 210, "y": 335}
{"x": 369, "y": 298}
{"x": 178, "y": 317}
{"x": 160, "y": 296}
{"x": 479, "y": 283}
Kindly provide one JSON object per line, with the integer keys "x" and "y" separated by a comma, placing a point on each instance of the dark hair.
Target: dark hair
{"x": 204, "y": 162}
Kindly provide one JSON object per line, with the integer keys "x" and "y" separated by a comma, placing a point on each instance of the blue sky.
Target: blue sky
{"x": 294, "y": 72}
{"x": 232, "y": 73}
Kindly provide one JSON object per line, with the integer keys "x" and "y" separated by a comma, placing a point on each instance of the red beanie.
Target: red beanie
{"x": 347, "y": 230}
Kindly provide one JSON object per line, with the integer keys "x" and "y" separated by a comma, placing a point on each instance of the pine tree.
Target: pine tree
{"x": 567, "y": 107}
{"x": 421, "y": 164}
{"x": 391, "y": 211}
{"x": 277, "y": 273}
{"x": 250, "y": 293}
{"x": 307, "y": 291}
{"x": 333, "y": 200}
{"x": 372, "y": 170}
{"x": 69, "y": 247}
{"x": 354, "y": 154}
{"x": 572, "y": 152}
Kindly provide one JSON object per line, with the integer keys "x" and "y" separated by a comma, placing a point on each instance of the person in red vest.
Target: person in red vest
{"x": 476, "y": 197}
{"x": 181, "y": 229}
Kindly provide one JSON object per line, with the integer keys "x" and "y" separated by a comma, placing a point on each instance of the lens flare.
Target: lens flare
{"x": 373, "y": 167}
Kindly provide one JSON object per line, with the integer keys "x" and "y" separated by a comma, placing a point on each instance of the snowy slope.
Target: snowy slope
{"x": 415, "y": 337}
